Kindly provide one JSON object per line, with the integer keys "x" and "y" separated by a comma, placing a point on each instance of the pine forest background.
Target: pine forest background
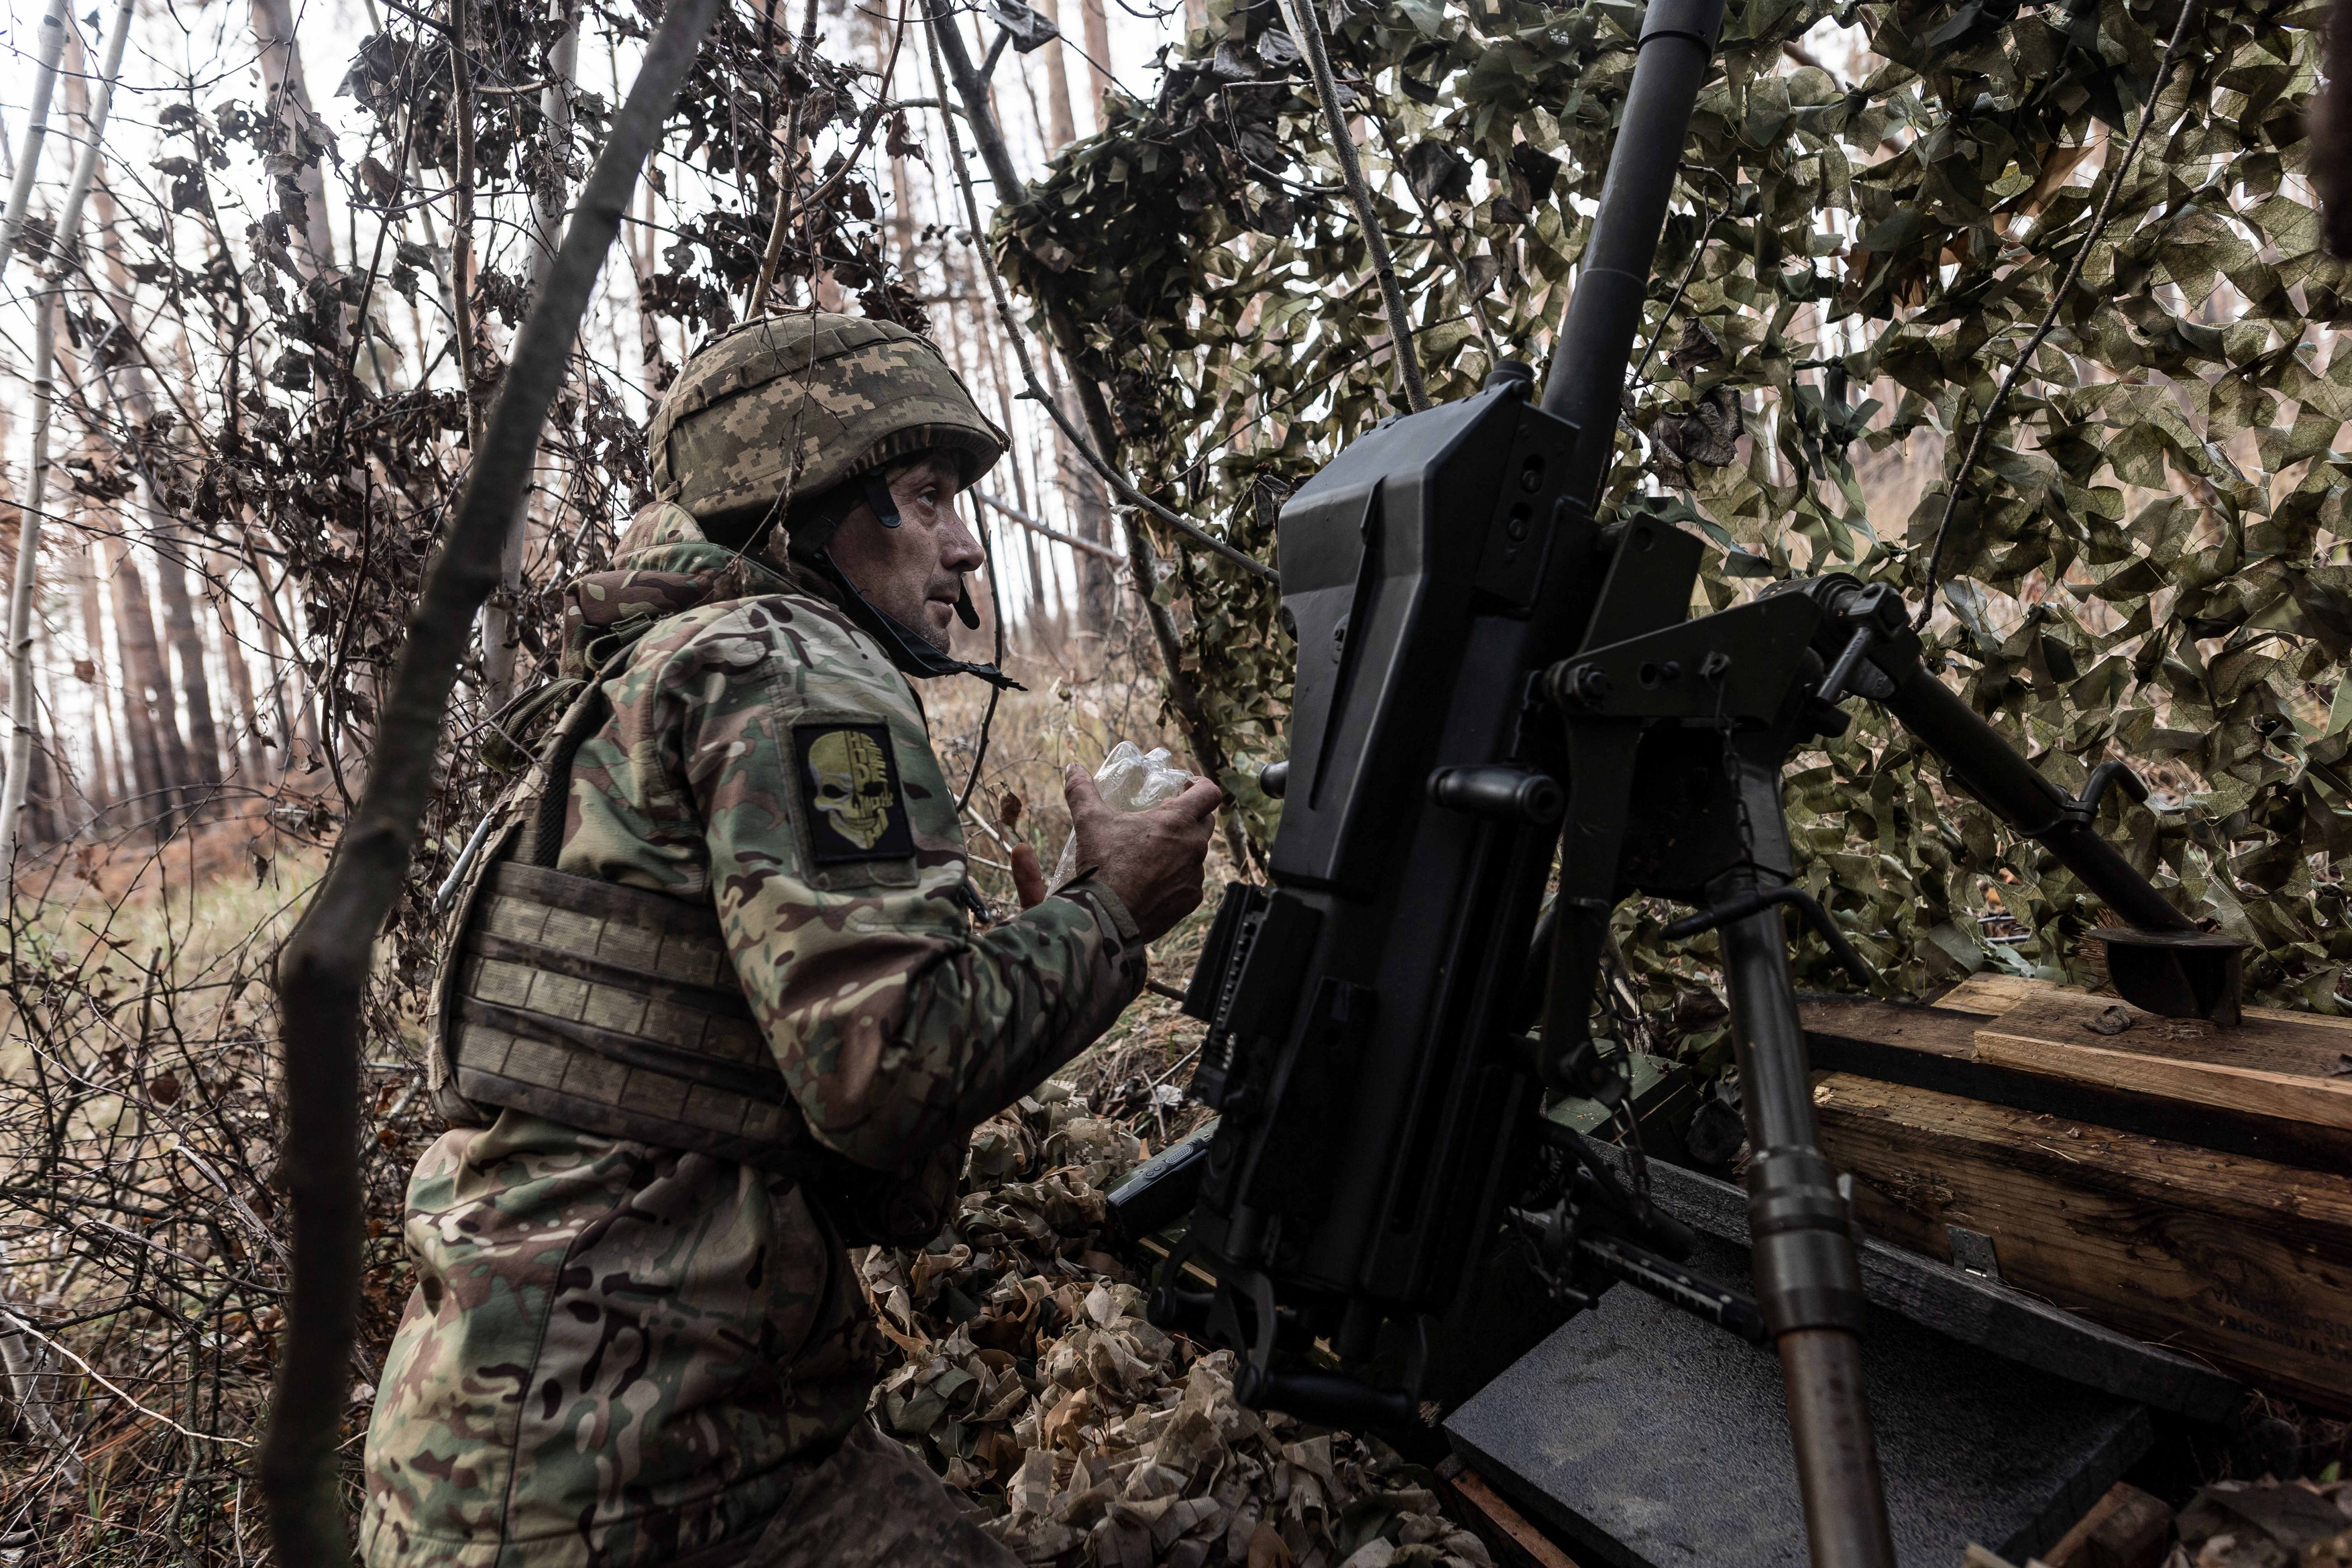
{"x": 280, "y": 312}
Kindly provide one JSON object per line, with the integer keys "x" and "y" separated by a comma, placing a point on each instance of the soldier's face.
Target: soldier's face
{"x": 912, "y": 572}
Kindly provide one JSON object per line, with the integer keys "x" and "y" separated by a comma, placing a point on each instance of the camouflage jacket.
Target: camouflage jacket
{"x": 618, "y": 1355}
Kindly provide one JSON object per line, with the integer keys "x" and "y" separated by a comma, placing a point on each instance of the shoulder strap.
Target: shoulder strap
{"x": 583, "y": 719}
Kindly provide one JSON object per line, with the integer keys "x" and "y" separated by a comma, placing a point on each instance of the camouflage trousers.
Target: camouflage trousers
{"x": 872, "y": 1504}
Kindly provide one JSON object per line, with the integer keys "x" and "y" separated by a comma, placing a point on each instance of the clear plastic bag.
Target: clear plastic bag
{"x": 1131, "y": 780}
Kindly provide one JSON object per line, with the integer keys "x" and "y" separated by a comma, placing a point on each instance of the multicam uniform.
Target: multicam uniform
{"x": 620, "y": 1354}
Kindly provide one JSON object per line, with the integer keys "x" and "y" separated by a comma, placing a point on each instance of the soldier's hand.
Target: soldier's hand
{"x": 1150, "y": 858}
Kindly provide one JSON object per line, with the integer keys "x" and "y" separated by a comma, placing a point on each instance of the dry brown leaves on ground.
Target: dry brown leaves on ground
{"x": 1026, "y": 1373}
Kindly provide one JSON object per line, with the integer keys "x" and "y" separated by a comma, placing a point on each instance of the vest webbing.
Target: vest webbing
{"x": 617, "y": 1011}
{"x": 614, "y": 1010}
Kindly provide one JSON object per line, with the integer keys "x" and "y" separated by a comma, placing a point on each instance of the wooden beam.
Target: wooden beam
{"x": 1957, "y": 1052}
{"x": 1515, "y": 1542}
{"x": 2297, "y": 1068}
{"x": 2127, "y": 1527}
{"x": 1990, "y": 994}
{"x": 2244, "y": 1261}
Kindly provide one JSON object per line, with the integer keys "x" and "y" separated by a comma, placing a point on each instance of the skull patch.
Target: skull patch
{"x": 856, "y": 810}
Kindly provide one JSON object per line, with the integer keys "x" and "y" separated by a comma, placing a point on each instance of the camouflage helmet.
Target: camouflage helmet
{"x": 788, "y": 407}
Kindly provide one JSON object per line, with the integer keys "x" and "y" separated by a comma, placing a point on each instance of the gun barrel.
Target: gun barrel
{"x": 1993, "y": 771}
{"x": 1587, "y": 366}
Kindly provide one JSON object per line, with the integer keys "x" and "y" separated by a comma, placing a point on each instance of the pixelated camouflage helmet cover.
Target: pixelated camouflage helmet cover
{"x": 791, "y": 405}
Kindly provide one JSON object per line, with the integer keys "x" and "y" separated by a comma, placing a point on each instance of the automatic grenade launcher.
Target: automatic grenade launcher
{"x": 1488, "y": 676}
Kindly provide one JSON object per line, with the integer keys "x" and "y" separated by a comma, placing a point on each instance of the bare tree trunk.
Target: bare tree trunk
{"x": 1097, "y": 25}
{"x": 292, "y": 164}
{"x": 202, "y": 772}
{"x": 24, "y": 567}
{"x": 102, "y": 770}
{"x": 33, "y": 1386}
{"x": 242, "y": 751}
{"x": 156, "y": 757}
{"x": 279, "y": 640}
{"x": 995, "y": 357}
{"x": 638, "y": 244}
{"x": 281, "y": 672}
{"x": 21, "y": 700}
{"x": 498, "y": 616}
{"x": 902, "y": 217}
{"x": 653, "y": 370}
{"x": 44, "y": 812}
{"x": 51, "y": 44}
{"x": 1040, "y": 557}
{"x": 196, "y": 687}
{"x": 1096, "y": 590}
{"x": 147, "y": 772}
{"x": 1090, "y": 510}
{"x": 461, "y": 217}
{"x": 1062, "y": 127}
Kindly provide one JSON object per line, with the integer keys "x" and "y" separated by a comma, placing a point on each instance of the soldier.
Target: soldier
{"x": 719, "y": 1006}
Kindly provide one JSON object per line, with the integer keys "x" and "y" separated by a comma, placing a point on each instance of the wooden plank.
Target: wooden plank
{"x": 1938, "y": 1048}
{"x": 1990, "y": 993}
{"x": 2242, "y": 1261}
{"x": 1936, "y": 1031}
{"x": 2302, "y": 1045}
{"x": 2124, "y": 1528}
{"x": 2283, "y": 1096}
{"x": 2290, "y": 1069}
{"x": 1514, "y": 1541}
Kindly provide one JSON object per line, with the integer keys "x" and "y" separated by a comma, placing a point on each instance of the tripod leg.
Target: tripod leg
{"x": 1807, "y": 1281}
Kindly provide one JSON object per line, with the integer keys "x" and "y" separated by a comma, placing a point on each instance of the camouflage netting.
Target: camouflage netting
{"x": 2149, "y": 559}
{"x": 1026, "y": 1375}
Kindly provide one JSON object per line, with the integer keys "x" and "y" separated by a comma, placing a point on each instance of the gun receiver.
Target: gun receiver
{"x": 1487, "y": 677}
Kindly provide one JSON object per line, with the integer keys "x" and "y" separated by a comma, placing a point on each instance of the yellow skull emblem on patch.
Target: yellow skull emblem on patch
{"x": 853, "y": 786}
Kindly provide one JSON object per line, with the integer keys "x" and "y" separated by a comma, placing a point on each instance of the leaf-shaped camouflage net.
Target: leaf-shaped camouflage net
{"x": 1026, "y": 1373}
{"x": 2146, "y": 562}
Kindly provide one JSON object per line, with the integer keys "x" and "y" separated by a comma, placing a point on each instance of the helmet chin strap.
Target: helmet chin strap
{"x": 908, "y": 648}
